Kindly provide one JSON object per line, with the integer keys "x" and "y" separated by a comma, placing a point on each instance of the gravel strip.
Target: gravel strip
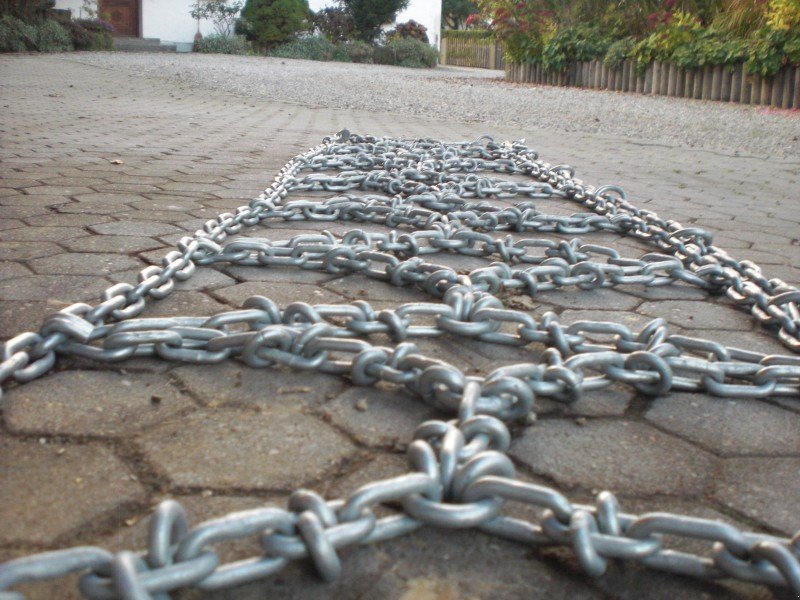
{"x": 475, "y": 95}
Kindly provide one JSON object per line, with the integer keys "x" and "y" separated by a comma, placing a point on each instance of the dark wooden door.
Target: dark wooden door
{"x": 123, "y": 14}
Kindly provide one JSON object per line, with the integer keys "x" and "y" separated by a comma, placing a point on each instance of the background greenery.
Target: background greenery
{"x": 764, "y": 34}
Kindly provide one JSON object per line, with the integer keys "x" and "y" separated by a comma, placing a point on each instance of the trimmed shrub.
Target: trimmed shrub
{"x": 91, "y": 34}
{"x": 221, "y": 44}
{"x": 410, "y": 29}
{"x": 52, "y": 37}
{"x": 466, "y": 34}
{"x": 370, "y": 15}
{"x": 335, "y": 23}
{"x": 17, "y": 35}
{"x": 314, "y": 47}
{"x": 273, "y": 22}
{"x": 406, "y": 53}
{"x": 360, "y": 52}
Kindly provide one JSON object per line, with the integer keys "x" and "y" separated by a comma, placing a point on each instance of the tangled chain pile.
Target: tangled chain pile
{"x": 432, "y": 196}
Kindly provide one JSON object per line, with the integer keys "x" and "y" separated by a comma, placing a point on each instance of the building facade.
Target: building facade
{"x": 170, "y": 21}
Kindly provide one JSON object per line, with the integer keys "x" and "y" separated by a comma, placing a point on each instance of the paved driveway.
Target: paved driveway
{"x": 102, "y": 173}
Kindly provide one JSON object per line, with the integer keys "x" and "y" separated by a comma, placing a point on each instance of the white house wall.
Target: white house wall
{"x": 167, "y": 20}
{"x": 426, "y": 12}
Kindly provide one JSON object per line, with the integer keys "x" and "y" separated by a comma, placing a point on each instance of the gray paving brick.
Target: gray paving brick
{"x": 623, "y": 456}
{"x": 270, "y": 388}
{"x": 696, "y": 315}
{"x": 81, "y": 403}
{"x": 221, "y": 449}
{"x": 88, "y": 482}
{"x": 58, "y": 287}
{"x": 764, "y": 489}
{"x": 82, "y": 264}
{"x": 378, "y": 417}
{"x": 282, "y": 294}
{"x": 728, "y": 427}
{"x": 111, "y": 243}
{"x": 137, "y": 228}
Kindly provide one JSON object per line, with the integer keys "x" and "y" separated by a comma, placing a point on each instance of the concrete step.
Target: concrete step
{"x": 131, "y": 44}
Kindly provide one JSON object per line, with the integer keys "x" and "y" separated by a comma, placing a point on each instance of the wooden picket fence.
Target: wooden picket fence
{"x": 478, "y": 53}
{"x": 721, "y": 83}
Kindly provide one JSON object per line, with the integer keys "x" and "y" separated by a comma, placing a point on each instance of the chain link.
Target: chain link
{"x": 434, "y": 198}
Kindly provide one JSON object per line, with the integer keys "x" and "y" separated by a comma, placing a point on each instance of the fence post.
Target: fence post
{"x": 443, "y": 52}
{"x": 786, "y": 96}
{"x": 796, "y": 93}
{"x": 777, "y": 89}
{"x": 736, "y": 84}
{"x": 671, "y": 79}
{"x": 492, "y": 56}
{"x": 725, "y": 86}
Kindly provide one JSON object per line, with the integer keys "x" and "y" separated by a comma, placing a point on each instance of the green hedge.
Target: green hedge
{"x": 47, "y": 36}
{"x": 220, "y": 44}
{"x": 763, "y": 35}
{"x": 466, "y": 34}
{"x": 402, "y": 52}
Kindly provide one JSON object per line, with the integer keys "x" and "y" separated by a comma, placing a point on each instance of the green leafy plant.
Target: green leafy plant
{"x": 370, "y": 15}
{"x": 467, "y": 34}
{"x": 273, "y": 22}
{"x": 456, "y": 12}
{"x": 618, "y": 52}
{"x": 16, "y": 35}
{"x": 410, "y": 29}
{"x": 335, "y": 23}
{"x": 222, "y": 44}
{"x": 406, "y": 52}
{"x": 91, "y": 34}
{"x": 359, "y": 52}
{"x": 52, "y": 37}
{"x": 315, "y": 47}
{"x": 578, "y": 43}
{"x": 221, "y": 13}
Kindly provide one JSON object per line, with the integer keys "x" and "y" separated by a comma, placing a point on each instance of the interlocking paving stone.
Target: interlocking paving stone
{"x": 137, "y": 228}
{"x": 623, "y": 456}
{"x": 570, "y": 298}
{"x": 70, "y": 487}
{"x": 41, "y": 234}
{"x": 225, "y": 448}
{"x": 377, "y": 467}
{"x": 81, "y": 403}
{"x": 378, "y": 416}
{"x": 283, "y": 295}
{"x": 609, "y": 402}
{"x": 696, "y": 315}
{"x": 82, "y": 264}
{"x": 69, "y": 288}
{"x": 111, "y": 243}
{"x": 276, "y": 274}
{"x": 728, "y": 427}
{"x": 359, "y": 287}
{"x": 438, "y": 564}
{"x": 182, "y": 304}
{"x": 764, "y": 489}
{"x": 236, "y": 384}
{"x": 205, "y": 279}
{"x": 10, "y": 269}
{"x": 25, "y": 315}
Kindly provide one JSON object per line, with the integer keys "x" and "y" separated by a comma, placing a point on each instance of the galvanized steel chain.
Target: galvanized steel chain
{"x": 433, "y": 198}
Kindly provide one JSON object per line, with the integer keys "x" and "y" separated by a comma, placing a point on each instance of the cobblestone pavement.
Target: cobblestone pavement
{"x": 102, "y": 173}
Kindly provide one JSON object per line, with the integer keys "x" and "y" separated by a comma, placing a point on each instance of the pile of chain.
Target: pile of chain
{"x": 433, "y": 197}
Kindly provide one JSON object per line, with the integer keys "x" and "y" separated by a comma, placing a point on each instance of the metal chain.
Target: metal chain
{"x": 460, "y": 475}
